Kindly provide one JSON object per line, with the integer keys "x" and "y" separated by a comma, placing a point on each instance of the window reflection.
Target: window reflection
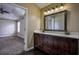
{"x": 55, "y": 21}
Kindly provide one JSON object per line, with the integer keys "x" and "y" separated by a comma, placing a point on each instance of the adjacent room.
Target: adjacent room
{"x": 39, "y": 29}
{"x": 12, "y": 24}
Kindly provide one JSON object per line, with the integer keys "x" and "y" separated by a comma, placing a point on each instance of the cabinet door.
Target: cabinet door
{"x": 47, "y": 44}
{"x": 63, "y": 45}
{"x": 55, "y": 45}
{"x": 38, "y": 41}
{"x": 71, "y": 45}
{"x": 67, "y": 46}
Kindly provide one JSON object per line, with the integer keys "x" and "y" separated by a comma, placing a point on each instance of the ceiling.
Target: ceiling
{"x": 42, "y": 5}
{"x": 15, "y": 12}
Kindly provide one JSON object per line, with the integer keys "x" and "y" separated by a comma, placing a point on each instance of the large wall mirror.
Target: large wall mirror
{"x": 56, "y": 21}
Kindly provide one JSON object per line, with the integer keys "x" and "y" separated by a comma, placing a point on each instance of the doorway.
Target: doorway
{"x": 16, "y": 41}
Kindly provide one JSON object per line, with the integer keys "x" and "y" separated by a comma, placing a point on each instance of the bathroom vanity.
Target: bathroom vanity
{"x": 56, "y": 44}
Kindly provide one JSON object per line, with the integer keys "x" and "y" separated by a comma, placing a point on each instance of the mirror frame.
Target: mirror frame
{"x": 65, "y": 21}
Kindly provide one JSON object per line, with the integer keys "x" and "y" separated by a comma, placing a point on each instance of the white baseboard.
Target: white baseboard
{"x": 6, "y": 35}
{"x": 30, "y": 48}
{"x": 20, "y": 35}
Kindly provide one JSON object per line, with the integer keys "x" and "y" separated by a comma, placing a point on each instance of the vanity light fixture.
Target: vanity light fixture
{"x": 54, "y": 9}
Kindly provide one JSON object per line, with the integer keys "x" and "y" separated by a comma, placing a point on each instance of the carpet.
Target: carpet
{"x": 11, "y": 45}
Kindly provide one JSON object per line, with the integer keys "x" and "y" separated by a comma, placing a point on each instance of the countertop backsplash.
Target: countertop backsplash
{"x": 74, "y": 33}
{"x": 56, "y": 32}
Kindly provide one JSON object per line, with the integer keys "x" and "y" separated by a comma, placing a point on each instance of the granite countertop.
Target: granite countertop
{"x": 62, "y": 35}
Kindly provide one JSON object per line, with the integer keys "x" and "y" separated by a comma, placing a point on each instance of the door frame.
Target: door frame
{"x": 26, "y": 26}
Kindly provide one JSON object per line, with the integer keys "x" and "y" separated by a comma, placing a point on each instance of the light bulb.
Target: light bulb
{"x": 56, "y": 9}
{"x": 52, "y": 10}
{"x": 45, "y": 13}
{"x": 61, "y": 7}
{"x": 48, "y": 11}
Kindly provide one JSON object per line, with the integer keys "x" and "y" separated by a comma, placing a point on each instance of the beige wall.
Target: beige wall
{"x": 73, "y": 17}
{"x": 33, "y": 21}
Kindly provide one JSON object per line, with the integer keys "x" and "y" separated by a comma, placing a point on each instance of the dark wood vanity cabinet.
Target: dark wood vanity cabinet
{"x": 38, "y": 41}
{"x": 55, "y": 44}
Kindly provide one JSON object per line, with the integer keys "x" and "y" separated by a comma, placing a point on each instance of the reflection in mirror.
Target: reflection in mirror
{"x": 59, "y": 21}
{"x": 49, "y": 23}
{"x": 56, "y": 21}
